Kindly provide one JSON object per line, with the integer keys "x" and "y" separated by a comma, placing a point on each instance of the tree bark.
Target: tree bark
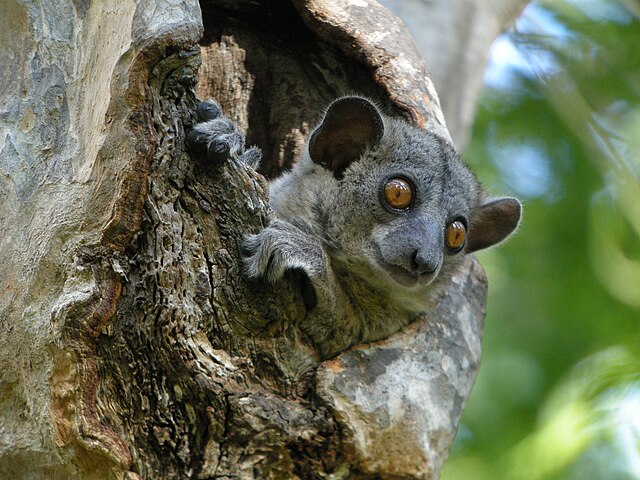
{"x": 132, "y": 345}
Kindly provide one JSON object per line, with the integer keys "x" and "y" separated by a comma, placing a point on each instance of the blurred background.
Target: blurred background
{"x": 558, "y": 126}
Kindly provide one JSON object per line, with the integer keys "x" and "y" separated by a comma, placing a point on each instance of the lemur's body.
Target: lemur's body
{"x": 373, "y": 213}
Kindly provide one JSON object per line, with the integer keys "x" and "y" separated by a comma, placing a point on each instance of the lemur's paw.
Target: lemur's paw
{"x": 262, "y": 256}
{"x": 217, "y": 138}
{"x": 278, "y": 248}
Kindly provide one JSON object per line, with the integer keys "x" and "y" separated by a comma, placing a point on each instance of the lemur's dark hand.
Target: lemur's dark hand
{"x": 217, "y": 138}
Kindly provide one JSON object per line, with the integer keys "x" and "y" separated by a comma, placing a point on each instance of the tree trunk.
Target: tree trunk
{"x": 132, "y": 345}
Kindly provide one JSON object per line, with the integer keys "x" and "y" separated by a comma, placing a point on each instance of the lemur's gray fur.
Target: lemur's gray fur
{"x": 370, "y": 265}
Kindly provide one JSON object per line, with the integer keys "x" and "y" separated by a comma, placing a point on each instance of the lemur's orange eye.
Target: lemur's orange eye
{"x": 455, "y": 235}
{"x": 398, "y": 193}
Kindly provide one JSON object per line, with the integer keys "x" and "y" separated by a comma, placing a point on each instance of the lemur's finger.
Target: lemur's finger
{"x": 208, "y": 110}
{"x": 218, "y": 151}
{"x": 197, "y": 141}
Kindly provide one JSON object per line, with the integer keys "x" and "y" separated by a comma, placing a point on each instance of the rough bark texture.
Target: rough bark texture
{"x": 132, "y": 346}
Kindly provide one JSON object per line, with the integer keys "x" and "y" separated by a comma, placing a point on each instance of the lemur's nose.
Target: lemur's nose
{"x": 422, "y": 262}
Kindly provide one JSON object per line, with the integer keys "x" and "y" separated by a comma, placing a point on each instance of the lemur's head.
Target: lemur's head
{"x": 404, "y": 204}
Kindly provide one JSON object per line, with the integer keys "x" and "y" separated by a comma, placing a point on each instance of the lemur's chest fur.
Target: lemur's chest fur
{"x": 377, "y": 311}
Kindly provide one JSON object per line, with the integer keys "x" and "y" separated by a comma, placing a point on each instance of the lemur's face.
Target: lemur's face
{"x": 418, "y": 197}
{"x": 418, "y": 235}
{"x": 405, "y": 201}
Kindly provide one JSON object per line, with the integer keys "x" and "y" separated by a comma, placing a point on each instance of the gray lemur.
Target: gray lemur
{"x": 373, "y": 213}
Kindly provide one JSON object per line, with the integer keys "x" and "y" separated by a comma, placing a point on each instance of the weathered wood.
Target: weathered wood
{"x": 135, "y": 347}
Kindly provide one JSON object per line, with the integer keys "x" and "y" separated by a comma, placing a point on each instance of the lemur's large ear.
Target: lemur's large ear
{"x": 493, "y": 222}
{"x": 349, "y": 126}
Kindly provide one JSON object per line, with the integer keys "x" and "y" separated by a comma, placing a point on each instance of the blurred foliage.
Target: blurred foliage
{"x": 558, "y": 395}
